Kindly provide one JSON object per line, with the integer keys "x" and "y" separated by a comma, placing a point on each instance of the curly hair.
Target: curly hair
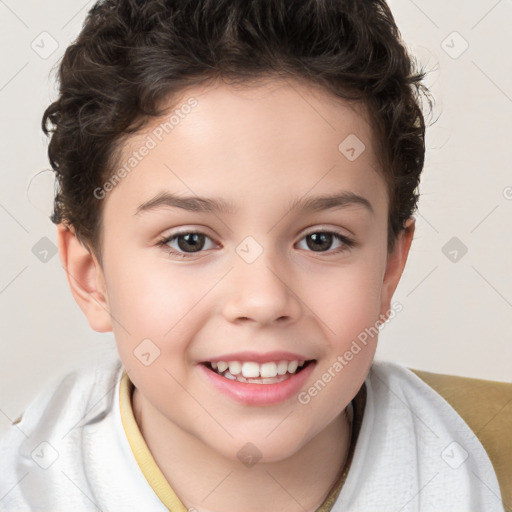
{"x": 131, "y": 55}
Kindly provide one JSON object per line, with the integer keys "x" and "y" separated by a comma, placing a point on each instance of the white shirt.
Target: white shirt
{"x": 414, "y": 453}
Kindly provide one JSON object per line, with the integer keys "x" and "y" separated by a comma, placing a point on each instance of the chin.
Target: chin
{"x": 258, "y": 449}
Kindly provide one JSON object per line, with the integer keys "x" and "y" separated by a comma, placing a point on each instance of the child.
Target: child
{"x": 237, "y": 182}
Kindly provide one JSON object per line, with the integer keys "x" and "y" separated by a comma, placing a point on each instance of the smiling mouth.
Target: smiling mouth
{"x": 252, "y": 373}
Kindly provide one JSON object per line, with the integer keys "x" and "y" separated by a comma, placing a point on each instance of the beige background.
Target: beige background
{"x": 457, "y": 307}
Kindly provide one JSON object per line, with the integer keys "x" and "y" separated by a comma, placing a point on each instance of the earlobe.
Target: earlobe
{"x": 85, "y": 278}
{"x": 395, "y": 266}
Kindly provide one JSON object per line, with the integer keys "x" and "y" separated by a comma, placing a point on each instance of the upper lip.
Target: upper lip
{"x": 258, "y": 358}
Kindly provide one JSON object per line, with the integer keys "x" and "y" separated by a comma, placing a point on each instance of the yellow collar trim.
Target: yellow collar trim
{"x": 157, "y": 480}
{"x": 140, "y": 450}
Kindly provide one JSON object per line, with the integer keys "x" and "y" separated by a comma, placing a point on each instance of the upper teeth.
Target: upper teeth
{"x": 251, "y": 369}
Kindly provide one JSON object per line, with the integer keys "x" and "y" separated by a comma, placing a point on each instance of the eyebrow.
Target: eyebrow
{"x": 215, "y": 205}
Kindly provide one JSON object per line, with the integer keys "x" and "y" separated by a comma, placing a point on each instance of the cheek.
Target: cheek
{"x": 152, "y": 308}
{"x": 356, "y": 327}
{"x": 349, "y": 301}
{"x": 348, "y": 310}
{"x": 152, "y": 299}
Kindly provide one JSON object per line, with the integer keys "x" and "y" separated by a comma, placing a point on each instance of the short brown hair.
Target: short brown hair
{"x": 132, "y": 54}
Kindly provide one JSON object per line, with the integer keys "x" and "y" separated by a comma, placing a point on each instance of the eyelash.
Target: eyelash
{"x": 348, "y": 242}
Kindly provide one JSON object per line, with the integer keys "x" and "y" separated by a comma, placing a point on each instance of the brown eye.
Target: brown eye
{"x": 191, "y": 242}
{"x": 321, "y": 241}
{"x": 185, "y": 242}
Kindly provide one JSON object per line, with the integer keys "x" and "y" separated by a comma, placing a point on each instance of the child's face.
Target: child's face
{"x": 255, "y": 282}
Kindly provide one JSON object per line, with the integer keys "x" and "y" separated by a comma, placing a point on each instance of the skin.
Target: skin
{"x": 260, "y": 147}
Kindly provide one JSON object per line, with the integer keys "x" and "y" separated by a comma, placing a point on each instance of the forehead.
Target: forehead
{"x": 273, "y": 139}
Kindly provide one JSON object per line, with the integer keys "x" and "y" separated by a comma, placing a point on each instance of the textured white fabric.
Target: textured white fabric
{"x": 414, "y": 452}
{"x": 95, "y": 470}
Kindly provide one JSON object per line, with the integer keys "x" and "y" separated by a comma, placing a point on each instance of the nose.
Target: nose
{"x": 261, "y": 293}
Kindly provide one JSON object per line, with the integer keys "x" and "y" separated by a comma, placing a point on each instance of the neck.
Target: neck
{"x": 206, "y": 481}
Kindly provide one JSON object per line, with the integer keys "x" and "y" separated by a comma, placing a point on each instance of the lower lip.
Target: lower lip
{"x": 259, "y": 394}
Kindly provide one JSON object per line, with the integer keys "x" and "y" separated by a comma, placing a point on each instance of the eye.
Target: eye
{"x": 192, "y": 242}
{"x": 324, "y": 239}
{"x": 187, "y": 242}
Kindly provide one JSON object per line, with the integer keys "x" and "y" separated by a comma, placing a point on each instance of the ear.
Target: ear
{"x": 85, "y": 278}
{"x": 395, "y": 266}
